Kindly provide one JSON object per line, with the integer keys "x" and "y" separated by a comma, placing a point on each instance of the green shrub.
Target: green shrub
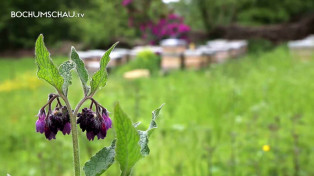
{"x": 258, "y": 46}
{"x": 144, "y": 60}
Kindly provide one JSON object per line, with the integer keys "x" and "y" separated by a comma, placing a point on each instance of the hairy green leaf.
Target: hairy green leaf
{"x": 128, "y": 148}
{"x": 100, "y": 162}
{"x": 46, "y": 69}
{"x": 80, "y": 69}
{"x": 65, "y": 71}
{"x": 99, "y": 79}
{"x": 144, "y": 135}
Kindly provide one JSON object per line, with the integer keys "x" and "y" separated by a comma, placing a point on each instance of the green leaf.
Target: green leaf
{"x": 80, "y": 69}
{"x": 99, "y": 79}
{"x": 100, "y": 162}
{"x": 144, "y": 135}
{"x": 46, "y": 69}
{"x": 128, "y": 148}
{"x": 65, "y": 71}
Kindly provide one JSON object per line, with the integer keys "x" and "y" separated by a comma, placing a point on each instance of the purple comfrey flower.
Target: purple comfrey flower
{"x": 58, "y": 120}
{"x": 85, "y": 118}
{"x": 67, "y": 128}
{"x": 102, "y": 128}
{"x": 90, "y": 135}
{"x": 49, "y": 134}
{"x": 106, "y": 118}
{"x": 40, "y": 123}
{"x": 95, "y": 125}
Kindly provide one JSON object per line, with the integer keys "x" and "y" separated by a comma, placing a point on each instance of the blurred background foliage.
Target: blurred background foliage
{"x": 211, "y": 13}
{"x": 106, "y": 21}
{"x": 103, "y": 22}
{"x": 215, "y": 121}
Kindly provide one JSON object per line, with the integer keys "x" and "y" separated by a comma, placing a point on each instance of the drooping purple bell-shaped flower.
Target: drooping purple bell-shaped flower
{"x": 107, "y": 120}
{"x": 95, "y": 125}
{"x": 102, "y": 128}
{"x": 67, "y": 128}
{"x": 40, "y": 123}
{"x": 57, "y": 120}
{"x": 49, "y": 133}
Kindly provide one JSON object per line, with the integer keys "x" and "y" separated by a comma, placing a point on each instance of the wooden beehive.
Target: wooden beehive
{"x": 171, "y": 62}
{"x": 207, "y": 52}
{"x": 173, "y": 49}
{"x": 220, "y": 55}
{"x": 304, "y": 53}
{"x": 243, "y": 48}
{"x": 302, "y": 49}
{"x": 91, "y": 59}
{"x": 194, "y": 59}
{"x": 172, "y": 54}
{"x": 173, "y": 46}
{"x": 235, "y": 49}
{"x": 122, "y": 53}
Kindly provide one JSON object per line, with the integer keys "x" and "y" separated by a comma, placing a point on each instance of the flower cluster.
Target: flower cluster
{"x": 95, "y": 123}
{"x": 126, "y": 2}
{"x": 56, "y": 120}
{"x": 170, "y": 27}
{"x": 166, "y": 25}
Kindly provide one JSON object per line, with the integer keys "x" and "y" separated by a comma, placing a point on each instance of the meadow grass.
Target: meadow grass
{"x": 215, "y": 121}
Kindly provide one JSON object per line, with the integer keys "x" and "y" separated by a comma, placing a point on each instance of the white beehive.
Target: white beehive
{"x": 302, "y": 49}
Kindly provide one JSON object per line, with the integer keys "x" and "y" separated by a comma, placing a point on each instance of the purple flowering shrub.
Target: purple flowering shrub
{"x": 57, "y": 114}
{"x": 126, "y": 2}
{"x": 171, "y": 26}
{"x": 155, "y": 28}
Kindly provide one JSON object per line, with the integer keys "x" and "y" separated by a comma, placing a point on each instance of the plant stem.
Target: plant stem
{"x": 73, "y": 114}
{"x": 76, "y": 153}
{"x": 80, "y": 104}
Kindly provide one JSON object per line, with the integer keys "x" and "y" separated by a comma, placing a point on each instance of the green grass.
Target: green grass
{"x": 215, "y": 121}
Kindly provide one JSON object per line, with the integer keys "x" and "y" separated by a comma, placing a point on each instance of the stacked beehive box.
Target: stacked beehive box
{"x": 221, "y": 50}
{"x": 118, "y": 57}
{"x": 194, "y": 59}
{"x": 122, "y": 53}
{"x": 92, "y": 58}
{"x": 237, "y": 48}
{"x": 207, "y": 53}
{"x": 302, "y": 49}
{"x": 172, "y": 54}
